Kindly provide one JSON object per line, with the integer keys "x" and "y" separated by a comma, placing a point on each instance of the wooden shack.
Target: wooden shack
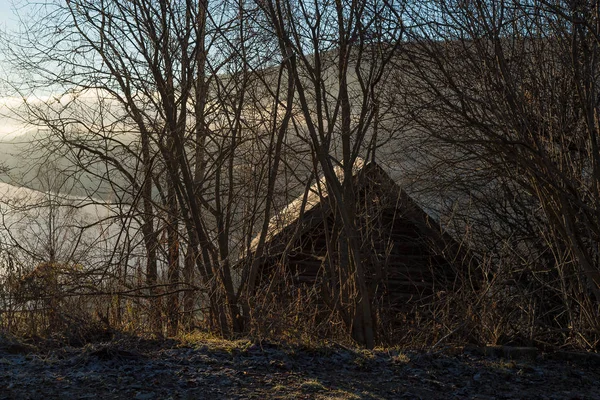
{"x": 407, "y": 256}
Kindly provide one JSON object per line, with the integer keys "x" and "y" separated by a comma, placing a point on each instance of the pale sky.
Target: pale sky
{"x": 8, "y": 20}
{"x": 8, "y": 127}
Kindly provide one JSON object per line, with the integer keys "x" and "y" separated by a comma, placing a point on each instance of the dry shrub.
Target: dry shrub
{"x": 60, "y": 303}
{"x": 288, "y": 311}
{"x": 43, "y": 303}
{"x": 519, "y": 307}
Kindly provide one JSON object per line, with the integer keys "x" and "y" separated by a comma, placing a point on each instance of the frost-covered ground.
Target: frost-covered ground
{"x": 134, "y": 369}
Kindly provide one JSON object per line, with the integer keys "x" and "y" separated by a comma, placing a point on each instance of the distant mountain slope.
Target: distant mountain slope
{"x": 27, "y": 161}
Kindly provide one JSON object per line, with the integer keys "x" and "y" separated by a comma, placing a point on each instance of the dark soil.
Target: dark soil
{"x": 207, "y": 369}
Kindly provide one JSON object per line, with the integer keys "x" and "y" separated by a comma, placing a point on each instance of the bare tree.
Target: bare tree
{"x": 511, "y": 89}
{"x": 336, "y": 53}
{"x": 165, "y": 104}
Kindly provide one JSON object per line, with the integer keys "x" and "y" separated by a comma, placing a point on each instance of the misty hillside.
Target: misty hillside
{"x": 39, "y": 227}
{"x": 30, "y": 161}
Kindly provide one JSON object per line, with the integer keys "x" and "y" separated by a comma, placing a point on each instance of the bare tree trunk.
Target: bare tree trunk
{"x": 173, "y": 269}
{"x": 188, "y": 294}
{"x": 277, "y": 139}
{"x": 150, "y": 238}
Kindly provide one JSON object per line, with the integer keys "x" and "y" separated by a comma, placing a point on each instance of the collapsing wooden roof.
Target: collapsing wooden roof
{"x": 304, "y": 209}
{"x": 407, "y": 255}
{"x": 407, "y": 259}
{"x": 301, "y": 206}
